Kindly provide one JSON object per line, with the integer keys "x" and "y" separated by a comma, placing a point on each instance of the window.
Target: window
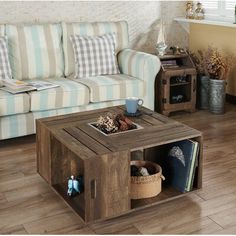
{"x": 220, "y": 10}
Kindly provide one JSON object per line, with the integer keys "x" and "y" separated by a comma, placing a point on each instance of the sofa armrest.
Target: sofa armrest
{"x": 143, "y": 66}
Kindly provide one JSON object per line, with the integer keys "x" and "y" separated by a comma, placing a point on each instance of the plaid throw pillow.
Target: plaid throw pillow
{"x": 94, "y": 55}
{"x": 5, "y": 69}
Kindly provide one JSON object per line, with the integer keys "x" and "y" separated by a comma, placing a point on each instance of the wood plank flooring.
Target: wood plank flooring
{"x": 29, "y": 206}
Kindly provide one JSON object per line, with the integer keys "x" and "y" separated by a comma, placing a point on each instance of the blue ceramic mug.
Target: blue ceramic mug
{"x": 132, "y": 104}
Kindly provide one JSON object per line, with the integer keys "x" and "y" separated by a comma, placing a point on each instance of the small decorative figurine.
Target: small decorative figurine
{"x": 74, "y": 186}
{"x": 177, "y": 152}
{"x": 178, "y": 98}
{"x": 235, "y": 14}
{"x": 143, "y": 171}
{"x": 138, "y": 171}
{"x": 161, "y": 43}
{"x": 189, "y": 10}
{"x": 199, "y": 12}
{"x": 135, "y": 171}
{"x": 176, "y": 50}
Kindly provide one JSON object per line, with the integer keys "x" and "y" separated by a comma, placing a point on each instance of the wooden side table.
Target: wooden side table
{"x": 175, "y": 84}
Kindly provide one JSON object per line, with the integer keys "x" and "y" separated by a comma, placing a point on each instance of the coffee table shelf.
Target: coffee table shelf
{"x": 67, "y": 145}
{"x": 77, "y": 202}
{"x": 167, "y": 193}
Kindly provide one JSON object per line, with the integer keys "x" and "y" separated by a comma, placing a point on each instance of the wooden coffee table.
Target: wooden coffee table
{"x": 67, "y": 145}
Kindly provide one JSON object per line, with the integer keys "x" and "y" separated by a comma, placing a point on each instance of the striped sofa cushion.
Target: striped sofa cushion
{"x": 91, "y": 29}
{"x": 90, "y": 106}
{"x": 21, "y": 124}
{"x": 2, "y": 33}
{"x": 24, "y": 124}
{"x": 13, "y": 103}
{"x": 5, "y": 69}
{"x": 35, "y": 51}
{"x": 16, "y": 125}
{"x": 69, "y": 94}
{"x": 112, "y": 87}
{"x": 143, "y": 66}
{"x": 2, "y": 30}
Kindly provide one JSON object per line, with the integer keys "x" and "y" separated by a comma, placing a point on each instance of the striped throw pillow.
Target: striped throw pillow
{"x": 94, "y": 55}
{"x": 5, "y": 69}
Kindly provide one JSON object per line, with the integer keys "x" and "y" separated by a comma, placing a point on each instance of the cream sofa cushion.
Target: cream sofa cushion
{"x": 11, "y": 104}
{"x": 35, "y": 51}
{"x": 2, "y": 33}
{"x": 5, "y": 68}
{"x": 113, "y": 87}
{"x": 2, "y": 30}
{"x": 68, "y": 94}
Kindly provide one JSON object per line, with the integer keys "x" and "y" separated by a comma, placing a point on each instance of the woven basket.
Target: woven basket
{"x": 146, "y": 186}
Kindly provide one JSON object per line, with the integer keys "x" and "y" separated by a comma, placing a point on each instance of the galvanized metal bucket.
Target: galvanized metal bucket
{"x": 203, "y": 92}
{"x": 217, "y": 96}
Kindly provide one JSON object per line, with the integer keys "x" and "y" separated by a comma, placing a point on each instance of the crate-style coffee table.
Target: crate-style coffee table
{"x": 67, "y": 145}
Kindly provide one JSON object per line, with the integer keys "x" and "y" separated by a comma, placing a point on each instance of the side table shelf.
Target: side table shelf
{"x": 175, "y": 84}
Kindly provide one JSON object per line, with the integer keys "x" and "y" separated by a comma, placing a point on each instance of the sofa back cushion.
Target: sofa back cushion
{"x": 5, "y": 69}
{"x": 2, "y": 33}
{"x": 35, "y": 51}
{"x": 91, "y": 29}
{"x": 2, "y": 30}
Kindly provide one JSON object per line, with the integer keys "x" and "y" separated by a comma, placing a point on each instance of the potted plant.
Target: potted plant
{"x": 215, "y": 66}
{"x": 202, "y": 80}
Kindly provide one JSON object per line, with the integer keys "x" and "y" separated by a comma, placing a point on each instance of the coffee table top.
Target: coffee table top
{"x": 74, "y": 132}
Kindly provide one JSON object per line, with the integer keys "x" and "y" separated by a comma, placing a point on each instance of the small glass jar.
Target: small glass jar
{"x": 189, "y": 10}
{"x": 235, "y": 15}
{"x": 199, "y": 12}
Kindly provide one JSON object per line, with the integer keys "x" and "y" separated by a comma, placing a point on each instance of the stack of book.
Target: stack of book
{"x": 169, "y": 64}
{"x": 183, "y": 161}
{"x": 18, "y": 86}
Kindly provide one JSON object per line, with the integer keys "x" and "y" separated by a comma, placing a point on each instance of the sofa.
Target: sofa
{"x": 44, "y": 52}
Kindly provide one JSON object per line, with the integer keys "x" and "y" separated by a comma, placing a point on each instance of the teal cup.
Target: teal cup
{"x": 132, "y": 104}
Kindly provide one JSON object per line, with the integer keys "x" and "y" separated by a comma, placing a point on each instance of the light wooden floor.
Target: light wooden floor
{"x": 28, "y": 205}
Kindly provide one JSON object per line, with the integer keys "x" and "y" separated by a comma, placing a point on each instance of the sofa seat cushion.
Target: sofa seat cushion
{"x": 11, "y": 104}
{"x": 68, "y": 94}
{"x": 113, "y": 87}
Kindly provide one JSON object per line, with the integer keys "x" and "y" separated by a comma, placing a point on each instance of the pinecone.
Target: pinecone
{"x": 123, "y": 126}
{"x": 128, "y": 121}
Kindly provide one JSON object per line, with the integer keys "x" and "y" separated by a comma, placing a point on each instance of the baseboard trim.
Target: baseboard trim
{"x": 231, "y": 99}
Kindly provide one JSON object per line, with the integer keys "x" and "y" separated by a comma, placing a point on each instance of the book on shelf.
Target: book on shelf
{"x": 193, "y": 166}
{"x": 182, "y": 159}
{"x": 18, "y": 86}
{"x": 170, "y": 64}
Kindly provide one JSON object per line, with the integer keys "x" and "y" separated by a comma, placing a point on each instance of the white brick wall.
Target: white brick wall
{"x": 142, "y": 17}
{"x": 176, "y": 35}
